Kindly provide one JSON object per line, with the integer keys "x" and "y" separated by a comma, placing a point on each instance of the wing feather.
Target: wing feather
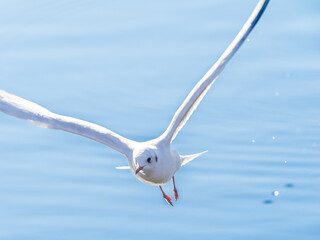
{"x": 198, "y": 92}
{"x": 42, "y": 117}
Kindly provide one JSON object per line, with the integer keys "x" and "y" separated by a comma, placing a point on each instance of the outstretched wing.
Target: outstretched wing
{"x": 199, "y": 91}
{"x": 42, "y": 117}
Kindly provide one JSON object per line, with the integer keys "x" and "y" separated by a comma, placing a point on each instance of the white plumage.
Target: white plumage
{"x": 153, "y": 162}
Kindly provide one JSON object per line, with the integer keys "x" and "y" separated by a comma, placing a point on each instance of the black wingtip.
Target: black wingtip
{"x": 264, "y": 6}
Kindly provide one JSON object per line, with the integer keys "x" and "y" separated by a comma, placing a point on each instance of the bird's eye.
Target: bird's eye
{"x": 149, "y": 160}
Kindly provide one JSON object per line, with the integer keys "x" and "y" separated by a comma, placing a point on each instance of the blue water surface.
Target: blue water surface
{"x": 128, "y": 65}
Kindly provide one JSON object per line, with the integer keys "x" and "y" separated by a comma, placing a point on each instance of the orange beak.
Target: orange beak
{"x": 139, "y": 168}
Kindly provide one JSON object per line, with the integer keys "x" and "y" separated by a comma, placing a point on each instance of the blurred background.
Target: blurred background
{"x": 128, "y": 65}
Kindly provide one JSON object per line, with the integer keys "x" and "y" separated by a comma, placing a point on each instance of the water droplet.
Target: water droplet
{"x": 285, "y": 161}
{"x": 253, "y": 141}
{"x": 276, "y": 93}
{"x": 248, "y": 40}
{"x": 275, "y": 193}
{"x": 273, "y": 137}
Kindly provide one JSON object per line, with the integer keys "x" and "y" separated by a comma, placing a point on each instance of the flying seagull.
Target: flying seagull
{"x": 153, "y": 162}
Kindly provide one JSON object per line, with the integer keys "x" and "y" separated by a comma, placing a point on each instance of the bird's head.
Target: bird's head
{"x": 145, "y": 160}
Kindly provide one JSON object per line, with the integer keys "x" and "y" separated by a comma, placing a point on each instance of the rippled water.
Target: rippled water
{"x": 127, "y": 65}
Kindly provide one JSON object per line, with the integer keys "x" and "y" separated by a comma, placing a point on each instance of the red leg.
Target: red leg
{"x": 166, "y": 197}
{"x": 176, "y": 195}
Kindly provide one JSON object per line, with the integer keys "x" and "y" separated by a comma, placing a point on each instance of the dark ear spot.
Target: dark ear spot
{"x": 156, "y": 158}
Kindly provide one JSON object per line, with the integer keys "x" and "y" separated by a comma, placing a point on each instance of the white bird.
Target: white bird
{"x": 153, "y": 162}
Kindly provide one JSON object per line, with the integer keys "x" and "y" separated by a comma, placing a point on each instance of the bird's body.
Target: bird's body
{"x": 153, "y": 162}
{"x": 167, "y": 164}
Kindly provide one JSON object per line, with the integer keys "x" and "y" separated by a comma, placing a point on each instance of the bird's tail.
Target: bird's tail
{"x": 189, "y": 158}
